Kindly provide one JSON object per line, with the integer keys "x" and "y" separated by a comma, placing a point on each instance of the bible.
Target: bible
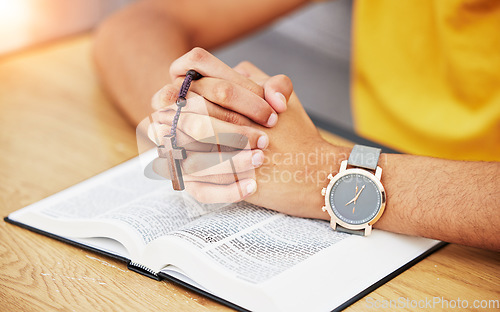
{"x": 247, "y": 257}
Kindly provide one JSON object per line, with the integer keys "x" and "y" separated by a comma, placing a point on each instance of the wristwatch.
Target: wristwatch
{"x": 355, "y": 198}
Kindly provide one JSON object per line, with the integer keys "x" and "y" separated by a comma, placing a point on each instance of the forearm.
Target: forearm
{"x": 133, "y": 52}
{"x": 453, "y": 201}
{"x": 135, "y": 47}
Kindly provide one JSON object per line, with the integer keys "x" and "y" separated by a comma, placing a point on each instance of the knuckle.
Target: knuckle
{"x": 197, "y": 131}
{"x": 169, "y": 94}
{"x": 223, "y": 180}
{"x": 201, "y": 195}
{"x": 231, "y": 117}
{"x": 197, "y": 55}
{"x": 245, "y": 64}
{"x": 192, "y": 164}
{"x": 237, "y": 139}
{"x": 178, "y": 81}
{"x": 242, "y": 141}
{"x": 241, "y": 165}
{"x": 255, "y": 88}
{"x": 223, "y": 92}
{"x": 196, "y": 193}
{"x": 187, "y": 165}
{"x": 261, "y": 111}
{"x": 194, "y": 128}
{"x": 240, "y": 138}
{"x": 285, "y": 81}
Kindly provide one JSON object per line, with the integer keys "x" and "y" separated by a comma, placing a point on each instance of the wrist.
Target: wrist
{"x": 329, "y": 158}
{"x": 352, "y": 210}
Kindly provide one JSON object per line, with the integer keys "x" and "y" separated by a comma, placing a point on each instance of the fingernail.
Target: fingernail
{"x": 273, "y": 119}
{"x": 281, "y": 100}
{"x": 262, "y": 142}
{"x": 257, "y": 158}
{"x": 251, "y": 187}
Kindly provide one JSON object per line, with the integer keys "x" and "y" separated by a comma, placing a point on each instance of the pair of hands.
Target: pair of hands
{"x": 238, "y": 148}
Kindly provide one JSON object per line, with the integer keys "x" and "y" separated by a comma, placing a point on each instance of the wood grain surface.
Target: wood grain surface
{"x": 57, "y": 128}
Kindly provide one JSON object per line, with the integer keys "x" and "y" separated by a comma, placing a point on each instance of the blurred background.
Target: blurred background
{"x": 311, "y": 46}
{"x": 24, "y": 23}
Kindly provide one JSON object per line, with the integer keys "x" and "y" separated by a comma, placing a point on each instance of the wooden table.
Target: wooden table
{"x": 56, "y": 129}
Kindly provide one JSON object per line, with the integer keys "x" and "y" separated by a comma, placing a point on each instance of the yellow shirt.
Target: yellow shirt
{"x": 426, "y": 76}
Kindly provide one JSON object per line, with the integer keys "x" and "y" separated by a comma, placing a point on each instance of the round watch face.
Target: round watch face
{"x": 355, "y": 198}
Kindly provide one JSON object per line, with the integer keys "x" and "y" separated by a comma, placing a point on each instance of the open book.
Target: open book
{"x": 242, "y": 255}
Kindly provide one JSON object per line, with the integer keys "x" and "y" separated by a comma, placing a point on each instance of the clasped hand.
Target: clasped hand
{"x": 246, "y": 135}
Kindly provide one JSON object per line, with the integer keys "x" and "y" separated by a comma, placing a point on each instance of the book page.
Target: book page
{"x": 104, "y": 195}
{"x": 256, "y": 244}
{"x": 343, "y": 271}
{"x": 121, "y": 203}
{"x": 291, "y": 264}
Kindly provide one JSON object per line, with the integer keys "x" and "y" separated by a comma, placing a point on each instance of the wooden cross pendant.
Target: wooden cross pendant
{"x": 174, "y": 155}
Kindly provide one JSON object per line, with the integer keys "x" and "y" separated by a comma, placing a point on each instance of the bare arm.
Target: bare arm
{"x": 448, "y": 200}
{"x": 454, "y": 201}
{"x": 135, "y": 47}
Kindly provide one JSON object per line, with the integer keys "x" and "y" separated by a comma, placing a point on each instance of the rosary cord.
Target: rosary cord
{"x": 181, "y": 101}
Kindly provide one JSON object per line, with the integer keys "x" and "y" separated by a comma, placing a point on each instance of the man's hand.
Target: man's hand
{"x": 218, "y": 127}
{"x": 230, "y": 89}
{"x": 290, "y": 168}
{"x": 293, "y": 166}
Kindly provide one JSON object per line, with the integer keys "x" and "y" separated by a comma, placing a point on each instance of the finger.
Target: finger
{"x": 156, "y": 132}
{"x": 161, "y": 167}
{"x": 221, "y": 179}
{"x": 277, "y": 89}
{"x": 211, "y": 130}
{"x": 221, "y": 142}
{"x": 206, "y": 164}
{"x": 164, "y": 100}
{"x": 251, "y": 71}
{"x": 213, "y": 193}
{"x": 165, "y": 97}
{"x": 237, "y": 99}
{"x": 215, "y": 172}
{"x": 210, "y": 66}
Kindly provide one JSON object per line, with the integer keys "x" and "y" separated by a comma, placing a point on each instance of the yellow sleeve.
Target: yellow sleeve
{"x": 426, "y": 76}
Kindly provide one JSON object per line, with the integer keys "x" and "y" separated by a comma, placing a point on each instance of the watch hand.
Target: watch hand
{"x": 351, "y": 201}
{"x": 356, "y": 197}
{"x": 361, "y": 190}
{"x": 355, "y": 193}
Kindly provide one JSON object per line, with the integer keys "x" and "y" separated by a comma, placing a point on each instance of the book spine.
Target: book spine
{"x": 141, "y": 269}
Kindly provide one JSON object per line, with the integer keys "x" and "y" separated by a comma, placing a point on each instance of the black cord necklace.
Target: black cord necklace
{"x": 169, "y": 149}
